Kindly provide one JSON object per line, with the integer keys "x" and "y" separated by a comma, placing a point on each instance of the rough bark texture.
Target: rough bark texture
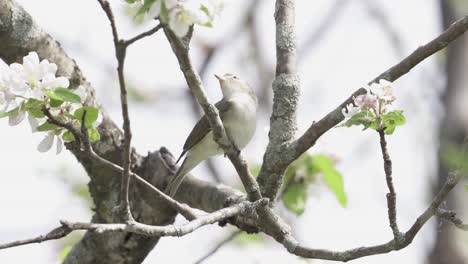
{"x": 19, "y": 34}
{"x": 285, "y": 97}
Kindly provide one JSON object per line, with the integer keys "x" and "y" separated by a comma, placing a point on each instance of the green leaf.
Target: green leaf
{"x": 9, "y": 113}
{"x": 391, "y": 120}
{"x": 63, "y": 94}
{"x": 33, "y": 104}
{"x": 131, "y": 1}
{"x": 93, "y": 134}
{"x": 68, "y": 136}
{"x": 466, "y": 187}
{"x": 92, "y": 114}
{"x": 332, "y": 177}
{"x": 46, "y": 126}
{"x": 295, "y": 198}
{"x": 55, "y": 102}
{"x": 364, "y": 118}
{"x": 36, "y": 113}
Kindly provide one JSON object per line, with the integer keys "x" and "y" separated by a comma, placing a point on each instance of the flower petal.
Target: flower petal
{"x": 46, "y": 144}
{"x": 59, "y": 145}
{"x": 16, "y": 118}
{"x": 33, "y": 123}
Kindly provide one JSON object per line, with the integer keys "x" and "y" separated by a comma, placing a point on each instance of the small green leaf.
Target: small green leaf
{"x": 68, "y": 136}
{"x": 332, "y": 177}
{"x": 466, "y": 187}
{"x": 63, "y": 94}
{"x": 55, "y": 102}
{"x": 163, "y": 16}
{"x": 391, "y": 120}
{"x": 131, "y": 1}
{"x": 295, "y": 198}
{"x": 364, "y": 118}
{"x": 37, "y": 113}
{"x": 92, "y": 114}
{"x": 33, "y": 104}
{"x": 46, "y": 126}
{"x": 93, "y": 134}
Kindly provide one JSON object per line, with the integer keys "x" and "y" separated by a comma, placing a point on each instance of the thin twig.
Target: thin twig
{"x": 451, "y": 216}
{"x": 391, "y": 195}
{"x": 148, "y": 33}
{"x": 183, "y": 209}
{"x": 317, "y": 129}
{"x": 217, "y": 247}
{"x": 56, "y": 233}
{"x": 392, "y": 245}
{"x": 149, "y": 230}
{"x": 120, "y": 52}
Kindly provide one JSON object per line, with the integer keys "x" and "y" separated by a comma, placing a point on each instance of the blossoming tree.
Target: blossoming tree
{"x": 40, "y": 83}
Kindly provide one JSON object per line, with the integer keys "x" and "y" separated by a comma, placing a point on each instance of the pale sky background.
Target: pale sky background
{"x": 35, "y": 192}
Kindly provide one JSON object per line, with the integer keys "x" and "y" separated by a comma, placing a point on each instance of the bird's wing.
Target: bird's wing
{"x": 202, "y": 127}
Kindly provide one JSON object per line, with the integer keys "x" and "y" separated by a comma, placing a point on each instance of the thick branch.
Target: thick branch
{"x": 317, "y": 129}
{"x": 285, "y": 97}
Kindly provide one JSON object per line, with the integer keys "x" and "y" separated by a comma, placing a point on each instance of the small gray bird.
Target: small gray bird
{"x": 237, "y": 110}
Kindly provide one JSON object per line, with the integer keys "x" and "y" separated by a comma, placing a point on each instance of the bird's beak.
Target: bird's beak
{"x": 219, "y": 77}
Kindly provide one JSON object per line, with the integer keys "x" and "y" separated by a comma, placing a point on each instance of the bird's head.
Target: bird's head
{"x": 231, "y": 85}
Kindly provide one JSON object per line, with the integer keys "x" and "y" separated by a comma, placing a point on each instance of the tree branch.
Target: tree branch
{"x": 317, "y": 129}
{"x": 451, "y": 217}
{"x": 145, "y": 34}
{"x": 391, "y": 195}
{"x": 285, "y": 97}
{"x": 143, "y": 229}
{"x": 56, "y": 233}
{"x": 120, "y": 52}
{"x": 392, "y": 245}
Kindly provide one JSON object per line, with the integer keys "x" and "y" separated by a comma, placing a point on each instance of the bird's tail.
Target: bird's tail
{"x": 188, "y": 164}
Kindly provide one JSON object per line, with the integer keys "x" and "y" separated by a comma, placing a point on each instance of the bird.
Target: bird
{"x": 238, "y": 112}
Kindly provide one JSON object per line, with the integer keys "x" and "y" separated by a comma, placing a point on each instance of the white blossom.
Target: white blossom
{"x": 20, "y": 83}
{"x": 383, "y": 90}
{"x": 184, "y": 15}
{"x": 367, "y": 100}
{"x": 46, "y": 143}
{"x": 350, "y": 110}
{"x": 16, "y": 118}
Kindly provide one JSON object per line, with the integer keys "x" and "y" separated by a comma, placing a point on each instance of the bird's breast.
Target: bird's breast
{"x": 241, "y": 122}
